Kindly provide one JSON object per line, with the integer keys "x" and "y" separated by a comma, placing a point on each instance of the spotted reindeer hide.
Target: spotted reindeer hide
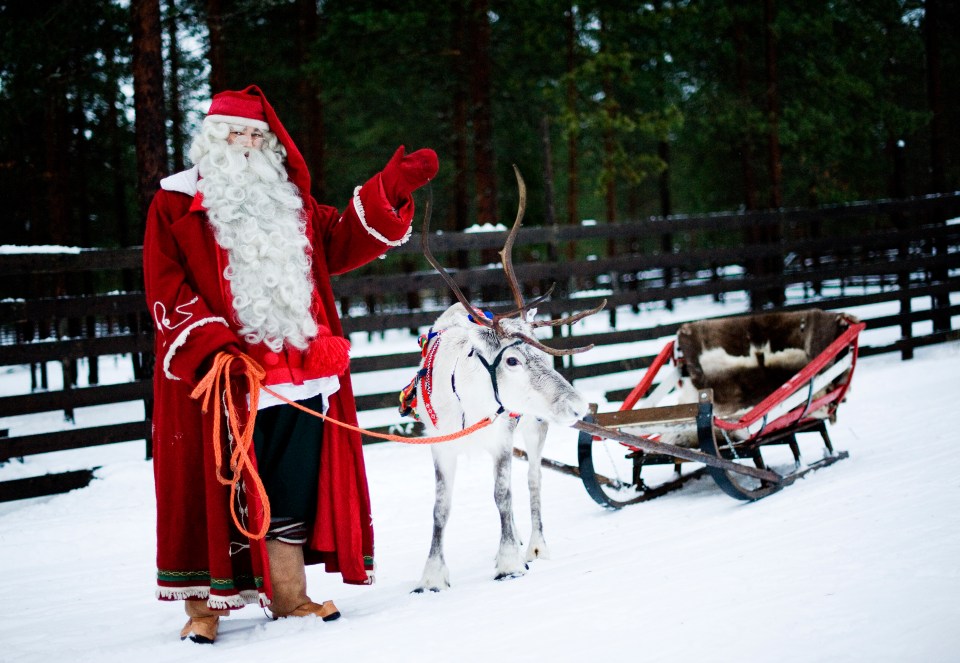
{"x": 745, "y": 359}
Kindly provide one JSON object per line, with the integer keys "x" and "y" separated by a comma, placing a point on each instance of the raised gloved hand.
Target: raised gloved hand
{"x": 405, "y": 173}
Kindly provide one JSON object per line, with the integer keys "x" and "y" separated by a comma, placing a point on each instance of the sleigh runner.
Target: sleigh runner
{"x": 729, "y": 391}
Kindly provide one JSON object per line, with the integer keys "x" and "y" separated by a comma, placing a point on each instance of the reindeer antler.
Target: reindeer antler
{"x": 425, "y": 245}
{"x": 506, "y": 253}
{"x": 570, "y": 319}
{"x": 506, "y": 257}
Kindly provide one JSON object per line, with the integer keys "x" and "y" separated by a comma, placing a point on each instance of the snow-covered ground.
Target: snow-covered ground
{"x": 857, "y": 562}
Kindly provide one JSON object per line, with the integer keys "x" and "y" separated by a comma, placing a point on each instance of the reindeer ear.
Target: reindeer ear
{"x": 531, "y": 314}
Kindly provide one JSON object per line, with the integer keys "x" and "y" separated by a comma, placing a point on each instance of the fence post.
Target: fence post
{"x": 93, "y": 364}
{"x": 906, "y": 327}
{"x": 666, "y": 248}
{"x": 68, "y": 367}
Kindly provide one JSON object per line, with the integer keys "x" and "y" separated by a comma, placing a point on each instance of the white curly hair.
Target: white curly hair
{"x": 257, "y": 216}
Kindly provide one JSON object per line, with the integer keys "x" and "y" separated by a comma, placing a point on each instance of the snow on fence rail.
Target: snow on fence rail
{"x": 72, "y": 306}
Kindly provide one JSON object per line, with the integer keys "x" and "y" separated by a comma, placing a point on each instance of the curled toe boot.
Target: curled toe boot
{"x": 288, "y": 577}
{"x": 326, "y": 611}
{"x": 202, "y": 622}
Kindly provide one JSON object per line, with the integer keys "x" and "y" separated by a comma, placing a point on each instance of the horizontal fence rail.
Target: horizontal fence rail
{"x": 65, "y": 309}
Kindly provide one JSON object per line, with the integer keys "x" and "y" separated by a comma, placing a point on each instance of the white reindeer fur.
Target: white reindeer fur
{"x": 529, "y": 386}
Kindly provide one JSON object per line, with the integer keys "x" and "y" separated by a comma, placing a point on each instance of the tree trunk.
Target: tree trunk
{"x": 609, "y": 139}
{"x": 177, "y": 138}
{"x": 120, "y": 211}
{"x": 938, "y": 138}
{"x": 482, "y": 115}
{"x": 482, "y": 112}
{"x": 666, "y": 209}
{"x": 773, "y": 108}
{"x": 80, "y": 232}
{"x": 663, "y": 182}
{"x": 550, "y": 214}
{"x": 609, "y": 168}
{"x": 311, "y": 107}
{"x": 931, "y": 38}
{"x": 754, "y": 231}
{"x": 774, "y": 263}
{"x": 573, "y": 215}
{"x": 147, "y": 67}
{"x": 746, "y": 142}
{"x": 53, "y": 226}
{"x": 218, "y": 65}
{"x": 461, "y": 195}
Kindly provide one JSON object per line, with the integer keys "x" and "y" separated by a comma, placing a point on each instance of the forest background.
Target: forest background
{"x": 613, "y": 110}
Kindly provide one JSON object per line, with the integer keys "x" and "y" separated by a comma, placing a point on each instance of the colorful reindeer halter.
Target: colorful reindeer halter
{"x": 423, "y": 380}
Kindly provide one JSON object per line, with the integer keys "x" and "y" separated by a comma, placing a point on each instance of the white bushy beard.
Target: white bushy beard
{"x": 257, "y": 216}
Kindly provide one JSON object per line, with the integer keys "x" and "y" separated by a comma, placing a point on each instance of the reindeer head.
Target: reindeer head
{"x": 498, "y": 324}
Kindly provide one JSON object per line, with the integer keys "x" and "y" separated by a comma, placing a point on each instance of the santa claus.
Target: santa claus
{"x": 237, "y": 260}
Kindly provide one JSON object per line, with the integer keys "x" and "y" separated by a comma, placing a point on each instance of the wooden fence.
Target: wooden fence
{"x": 63, "y": 307}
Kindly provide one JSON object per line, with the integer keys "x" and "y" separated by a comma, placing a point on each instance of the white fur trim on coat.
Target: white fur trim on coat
{"x": 239, "y": 600}
{"x": 182, "y": 339}
{"x": 183, "y": 182}
{"x": 242, "y": 121}
{"x": 358, "y": 205}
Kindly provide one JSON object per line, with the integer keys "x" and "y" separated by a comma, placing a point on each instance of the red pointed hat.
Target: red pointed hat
{"x": 250, "y": 107}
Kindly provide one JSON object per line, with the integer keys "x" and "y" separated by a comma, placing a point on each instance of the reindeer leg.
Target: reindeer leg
{"x": 436, "y": 575}
{"x": 534, "y": 435}
{"x": 510, "y": 563}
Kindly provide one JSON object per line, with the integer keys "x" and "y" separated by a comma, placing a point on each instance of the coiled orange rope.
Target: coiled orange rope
{"x": 241, "y": 455}
{"x": 217, "y": 381}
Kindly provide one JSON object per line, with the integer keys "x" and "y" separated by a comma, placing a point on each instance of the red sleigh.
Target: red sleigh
{"x": 728, "y": 391}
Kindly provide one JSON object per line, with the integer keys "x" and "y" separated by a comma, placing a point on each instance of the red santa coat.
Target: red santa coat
{"x": 200, "y": 552}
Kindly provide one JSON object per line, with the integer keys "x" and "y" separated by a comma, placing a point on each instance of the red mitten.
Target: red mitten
{"x": 405, "y": 173}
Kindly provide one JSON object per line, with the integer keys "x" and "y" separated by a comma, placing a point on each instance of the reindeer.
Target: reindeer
{"x": 474, "y": 367}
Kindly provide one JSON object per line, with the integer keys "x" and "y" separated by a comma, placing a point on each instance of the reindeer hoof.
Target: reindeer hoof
{"x": 432, "y": 586}
{"x": 538, "y": 552}
{"x": 512, "y": 574}
{"x": 435, "y": 576}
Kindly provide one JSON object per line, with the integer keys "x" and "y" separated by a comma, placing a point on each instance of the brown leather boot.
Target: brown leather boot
{"x": 289, "y": 579}
{"x": 201, "y": 627}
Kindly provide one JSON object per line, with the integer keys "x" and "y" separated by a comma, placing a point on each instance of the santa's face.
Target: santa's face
{"x": 247, "y": 137}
